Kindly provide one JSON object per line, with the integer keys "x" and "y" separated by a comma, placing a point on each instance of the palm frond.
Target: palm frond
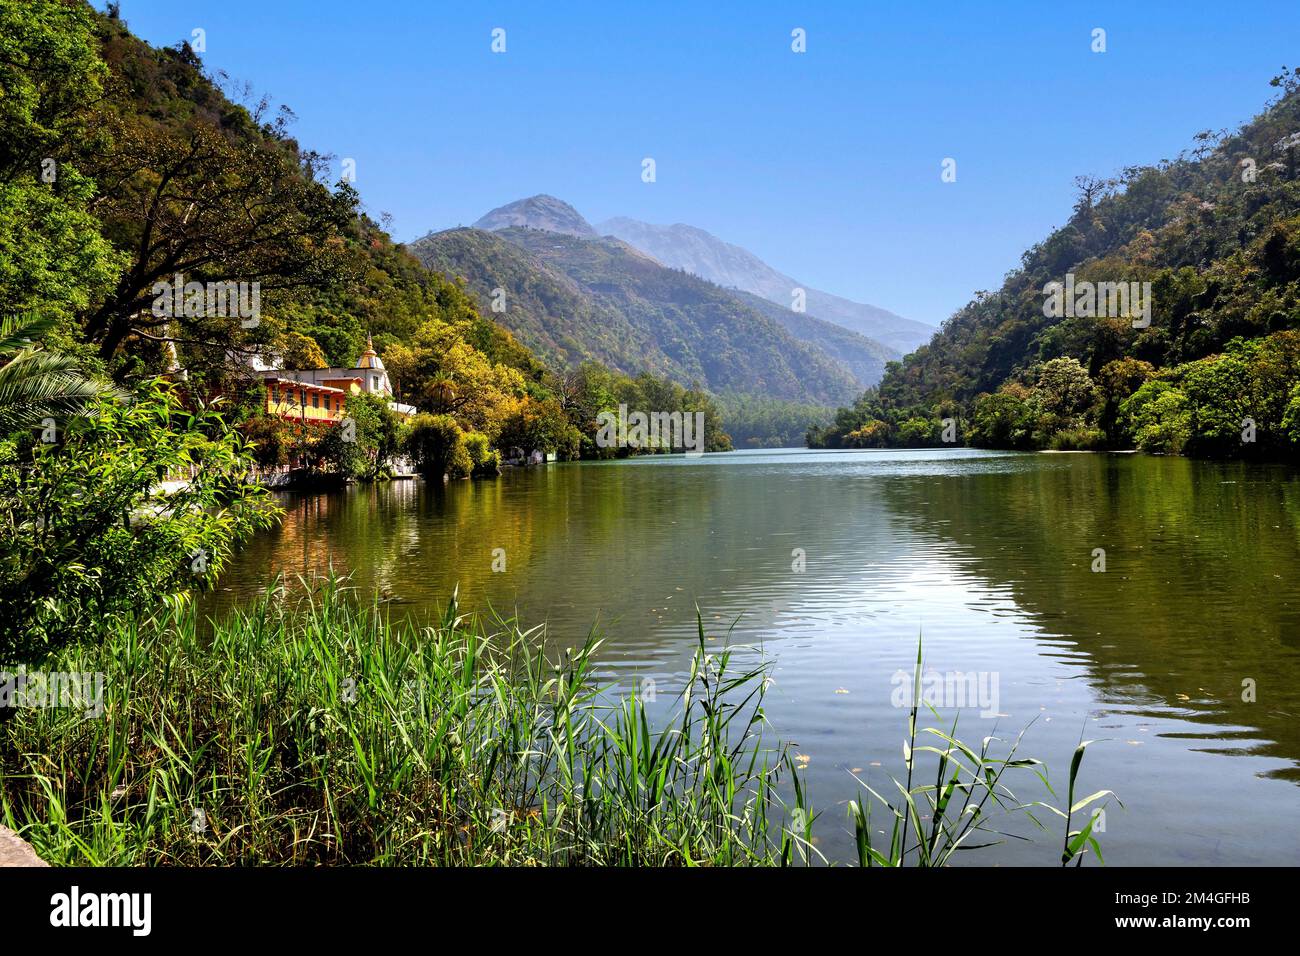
{"x": 39, "y": 385}
{"x": 18, "y": 332}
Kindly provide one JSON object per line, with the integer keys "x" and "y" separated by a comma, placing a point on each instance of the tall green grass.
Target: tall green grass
{"x": 968, "y": 803}
{"x": 323, "y": 732}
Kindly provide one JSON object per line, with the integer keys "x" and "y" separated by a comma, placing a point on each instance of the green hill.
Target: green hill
{"x": 542, "y": 306}
{"x": 706, "y": 333}
{"x": 862, "y": 356}
{"x": 1216, "y": 233}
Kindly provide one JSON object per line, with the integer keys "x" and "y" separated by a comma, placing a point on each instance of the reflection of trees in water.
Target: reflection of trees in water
{"x": 1202, "y": 562}
{"x": 631, "y": 547}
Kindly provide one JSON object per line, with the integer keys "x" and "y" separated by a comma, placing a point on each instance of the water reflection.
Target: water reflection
{"x": 987, "y": 555}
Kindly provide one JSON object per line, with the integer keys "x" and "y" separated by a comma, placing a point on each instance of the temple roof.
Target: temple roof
{"x": 369, "y": 358}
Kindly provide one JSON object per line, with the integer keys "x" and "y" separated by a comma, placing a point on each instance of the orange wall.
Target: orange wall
{"x": 330, "y": 404}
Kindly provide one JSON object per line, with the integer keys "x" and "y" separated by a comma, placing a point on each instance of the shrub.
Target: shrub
{"x": 485, "y": 461}
{"x": 90, "y": 531}
{"x": 437, "y": 445}
{"x": 1078, "y": 439}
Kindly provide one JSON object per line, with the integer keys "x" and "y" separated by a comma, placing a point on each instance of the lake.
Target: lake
{"x": 1182, "y": 657}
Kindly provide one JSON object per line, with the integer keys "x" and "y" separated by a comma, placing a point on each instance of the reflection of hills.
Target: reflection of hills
{"x": 1205, "y": 558}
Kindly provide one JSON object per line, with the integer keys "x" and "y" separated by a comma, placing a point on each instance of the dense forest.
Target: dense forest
{"x": 1210, "y": 363}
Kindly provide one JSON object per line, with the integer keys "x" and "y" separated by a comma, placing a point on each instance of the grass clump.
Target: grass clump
{"x": 968, "y": 802}
{"x": 323, "y": 732}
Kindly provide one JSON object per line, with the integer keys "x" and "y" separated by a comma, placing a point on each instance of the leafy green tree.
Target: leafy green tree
{"x": 539, "y": 426}
{"x": 50, "y": 73}
{"x": 1063, "y": 395}
{"x": 441, "y": 370}
{"x": 437, "y": 445}
{"x": 378, "y": 436}
{"x": 1158, "y": 417}
{"x": 334, "y": 452}
{"x": 1116, "y": 381}
{"x": 1002, "y": 420}
{"x": 485, "y": 461}
{"x": 53, "y": 258}
{"x": 1219, "y": 396}
{"x": 917, "y": 433}
{"x": 91, "y": 533}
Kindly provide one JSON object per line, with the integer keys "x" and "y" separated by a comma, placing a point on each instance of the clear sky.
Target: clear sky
{"x": 826, "y": 164}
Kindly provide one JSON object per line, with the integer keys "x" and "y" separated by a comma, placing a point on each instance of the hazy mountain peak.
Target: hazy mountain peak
{"x": 538, "y": 212}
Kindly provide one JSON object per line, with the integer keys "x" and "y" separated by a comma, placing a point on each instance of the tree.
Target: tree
{"x": 539, "y": 426}
{"x": 917, "y": 432}
{"x": 90, "y": 533}
{"x": 298, "y": 351}
{"x": 271, "y": 439}
{"x": 53, "y": 258}
{"x": 485, "y": 461}
{"x": 1158, "y": 417}
{"x": 441, "y": 370}
{"x": 190, "y": 185}
{"x": 1002, "y": 420}
{"x": 1219, "y": 398}
{"x": 378, "y": 434}
{"x": 437, "y": 446}
{"x": 1063, "y": 393}
{"x": 50, "y": 73}
{"x": 1116, "y": 381}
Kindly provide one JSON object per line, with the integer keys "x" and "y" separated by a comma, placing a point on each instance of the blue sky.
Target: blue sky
{"x": 826, "y": 164}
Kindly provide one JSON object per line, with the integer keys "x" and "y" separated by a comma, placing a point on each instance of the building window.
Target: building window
{"x": 315, "y": 400}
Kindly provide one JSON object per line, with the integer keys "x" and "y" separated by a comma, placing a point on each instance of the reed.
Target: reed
{"x": 969, "y": 801}
{"x": 320, "y": 731}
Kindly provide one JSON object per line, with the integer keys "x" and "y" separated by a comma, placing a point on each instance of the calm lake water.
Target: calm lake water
{"x": 988, "y": 555}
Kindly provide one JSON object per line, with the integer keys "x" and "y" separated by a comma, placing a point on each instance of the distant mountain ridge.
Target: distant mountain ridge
{"x": 680, "y": 246}
{"x": 572, "y": 298}
{"x": 672, "y": 301}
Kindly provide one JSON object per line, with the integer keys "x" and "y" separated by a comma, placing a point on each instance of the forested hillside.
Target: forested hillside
{"x": 707, "y": 335}
{"x": 542, "y": 306}
{"x": 1215, "y": 233}
{"x": 862, "y": 356}
{"x": 700, "y": 253}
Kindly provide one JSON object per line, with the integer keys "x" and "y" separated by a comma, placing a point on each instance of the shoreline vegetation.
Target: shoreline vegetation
{"x": 321, "y": 731}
